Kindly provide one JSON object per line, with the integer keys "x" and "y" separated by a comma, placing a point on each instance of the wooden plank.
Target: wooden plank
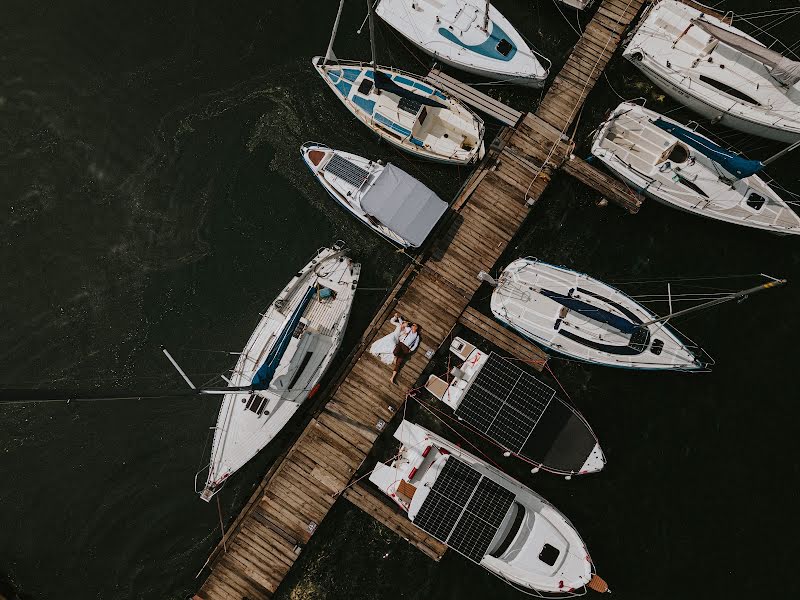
{"x": 612, "y": 189}
{"x": 496, "y": 109}
{"x": 503, "y": 338}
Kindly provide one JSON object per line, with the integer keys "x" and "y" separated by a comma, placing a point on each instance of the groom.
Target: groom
{"x": 407, "y": 342}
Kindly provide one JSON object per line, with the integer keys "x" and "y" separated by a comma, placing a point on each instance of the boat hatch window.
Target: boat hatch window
{"x": 409, "y": 105}
{"x": 640, "y": 339}
{"x": 256, "y": 403}
{"x": 678, "y": 154}
{"x": 511, "y": 534}
{"x": 657, "y": 347}
{"x": 301, "y": 368}
{"x": 731, "y": 91}
{"x": 422, "y": 115}
{"x": 301, "y": 327}
{"x": 558, "y": 323}
{"x": 365, "y": 87}
{"x": 504, "y": 47}
{"x": 691, "y": 185}
{"x": 549, "y": 555}
{"x": 755, "y": 201}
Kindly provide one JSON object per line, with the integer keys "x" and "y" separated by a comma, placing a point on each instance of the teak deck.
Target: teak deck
{"x": 263, "y": 542}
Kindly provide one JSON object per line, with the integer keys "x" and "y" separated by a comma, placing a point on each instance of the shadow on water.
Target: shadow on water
{"x": 154, "y": 193}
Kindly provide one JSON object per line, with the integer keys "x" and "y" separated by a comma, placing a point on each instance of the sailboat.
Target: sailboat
{"x": 577, "y": 316}
{"x": 683, "y": 169}
{"x": 471, "y": 35}
{"x": 717, "y": 70}
{"x": 485, "y": 515}
{"x": 383, "y": 197}
{"x": 283, "y": 362}
{"x": 401, "y": 108}
{"x": 523, "y": 415}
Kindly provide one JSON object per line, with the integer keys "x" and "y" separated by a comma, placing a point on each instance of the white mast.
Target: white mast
{"x": 371, "y": 35}
{"x": 329, "y": 55}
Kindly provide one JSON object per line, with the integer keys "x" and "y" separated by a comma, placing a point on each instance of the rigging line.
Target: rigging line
{"x": 673, "y": 279}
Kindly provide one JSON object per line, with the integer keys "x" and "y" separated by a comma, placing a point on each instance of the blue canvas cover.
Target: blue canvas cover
{"x": 732, "y": 163}
{"x": 592, "y": 312}
{"x": 266, "y": 372}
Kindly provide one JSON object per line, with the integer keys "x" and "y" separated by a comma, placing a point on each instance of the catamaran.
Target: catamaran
{"x": 281, "y": 365}
{"x": 681, "y": 168}
{"x": 523, "y": 415}
{"x": 485, "y": 515}
{"x": 403, "y": 109}
{"x": 717, "y": 70}
{"x": 471, "y": 35}
{"x": 383, "y": 197}
{"x": 574, "y": 315}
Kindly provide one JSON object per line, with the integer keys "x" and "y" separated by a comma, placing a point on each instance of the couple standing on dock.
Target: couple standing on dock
{"x": 395, "y": 347}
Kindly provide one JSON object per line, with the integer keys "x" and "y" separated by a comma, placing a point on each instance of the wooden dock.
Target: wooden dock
{"x": 263, "y": 542}
{"x": 477, "y": 100}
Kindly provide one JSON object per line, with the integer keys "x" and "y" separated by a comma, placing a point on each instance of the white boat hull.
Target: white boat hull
{"x": 518, "y": 303}
{"x": 430, "y": 26}
{"x": 248, "y": 421}
{"x": 450, "y": 135}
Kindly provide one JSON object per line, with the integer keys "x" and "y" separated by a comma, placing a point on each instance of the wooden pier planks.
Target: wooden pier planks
{"x": 477, "y": 100}
{"x": 503, "y": 338}
{"x": 610, "y": 187}
{"x": 586, "y": 63}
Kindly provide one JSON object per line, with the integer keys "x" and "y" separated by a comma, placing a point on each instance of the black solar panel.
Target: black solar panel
{"x": 505, "y": 403}
{"x": 464, "y": 509}
{"x": 409, "y": 105}
{"x": 343, "y": 168}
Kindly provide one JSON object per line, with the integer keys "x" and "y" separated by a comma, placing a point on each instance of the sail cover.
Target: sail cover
{"x": 591, "y": 312}
{"x": 732, "y": 163}
{"x": 785, "y": 70}
{"x": 385, "y": 83}
{"x": 403, "y": 204}
{"x": 266, "y": 372}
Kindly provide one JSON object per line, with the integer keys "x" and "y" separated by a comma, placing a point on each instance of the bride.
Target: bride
{"x": 384, "y": 347}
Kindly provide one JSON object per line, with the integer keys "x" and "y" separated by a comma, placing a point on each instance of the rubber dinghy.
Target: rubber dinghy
{"x": 523, "y": 415}
{"x": 471, "y": 35}
{"x": 718, "y": 70}
{"x": 287, "y": 355}
{"x": 485, "y": 515}
{"x": 383, "y": 197}
{"x": 580, "y": 317}
{"x": 683, "y": 169}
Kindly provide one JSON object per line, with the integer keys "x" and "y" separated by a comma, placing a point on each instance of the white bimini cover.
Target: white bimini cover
{"x": 403, "y": 204}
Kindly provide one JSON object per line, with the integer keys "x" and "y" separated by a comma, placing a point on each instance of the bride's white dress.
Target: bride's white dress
{"x": 384, "y": 347}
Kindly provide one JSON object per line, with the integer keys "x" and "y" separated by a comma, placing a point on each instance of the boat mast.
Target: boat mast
{"x": 329, "y": 54}
{"x": 486, "y": 17}
{"x": 371, "y": 34}
{"x": 775, "y": 157}
{"x": 736, "y": 296}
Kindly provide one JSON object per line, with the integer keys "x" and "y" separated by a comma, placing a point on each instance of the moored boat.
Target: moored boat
{"x": 572, "y": 314}
{"x": 485, "y": 515}
{"x": 718, "y": 70}
{"x": 383, "y": 197}
{"x": 518, "y": 411}
{"x": 285, "y": 358}
{"x": 471, "y": 35}
{"x": 684, "y": 169}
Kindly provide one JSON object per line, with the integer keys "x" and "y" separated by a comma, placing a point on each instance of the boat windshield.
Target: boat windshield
{"x": 510, "y": 535}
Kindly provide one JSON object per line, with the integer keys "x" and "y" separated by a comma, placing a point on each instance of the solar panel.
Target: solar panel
{"x": 344, "y": 169}
{"x": 409, "y": 105}
{"x": 464, "y": 509}
{"x": 505, "y": 403}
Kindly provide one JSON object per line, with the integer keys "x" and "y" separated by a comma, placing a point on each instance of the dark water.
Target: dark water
{"x": 152, "y": 192}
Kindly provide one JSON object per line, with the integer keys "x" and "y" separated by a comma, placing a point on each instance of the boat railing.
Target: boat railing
{"x": 202, "y": 470}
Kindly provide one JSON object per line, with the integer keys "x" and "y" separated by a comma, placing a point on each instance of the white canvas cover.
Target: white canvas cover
{"x": 785, "y": 70}
{"x": 403, "y": 204}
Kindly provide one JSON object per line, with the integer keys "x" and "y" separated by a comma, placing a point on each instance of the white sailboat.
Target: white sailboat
{"x": 402, "y": 109}
{"x": 572, "y": 314}
{"x": 471, "y": 35}
{"x": 717, "y": 70}
{"x": 683, "y": 169}
{"x": 519, "y": 412}
{"x": 285, "y": 358}
{"x": 485, "y": 515}
{"x": 383, "y": 197}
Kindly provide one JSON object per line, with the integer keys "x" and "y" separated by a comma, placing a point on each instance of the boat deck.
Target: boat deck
{"x": 263, "y": 542}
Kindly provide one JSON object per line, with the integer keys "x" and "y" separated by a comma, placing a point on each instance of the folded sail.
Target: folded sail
{"x": 266, "y": 372}
{"x": 592, "y": 312}
{"x": 385, "y": 83}
{"x": 732, "y": 163}
{"x": 785, "y": 70}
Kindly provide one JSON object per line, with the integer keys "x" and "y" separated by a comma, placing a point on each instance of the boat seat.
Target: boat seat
{"x": 461, "y": 348}
{"x": 406, "y": 490}
{"x": 437, "y": 386}
{"x": 316, "y": 156}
